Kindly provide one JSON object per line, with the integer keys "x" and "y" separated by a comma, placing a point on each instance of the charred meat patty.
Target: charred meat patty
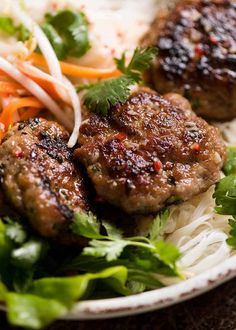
{"x": 149, "y": 152}
{"x": 197, "y": 55}
{"x": 38, "y": 177}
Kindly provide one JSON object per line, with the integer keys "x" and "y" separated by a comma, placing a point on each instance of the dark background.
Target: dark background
{"x": 215, "y": 310}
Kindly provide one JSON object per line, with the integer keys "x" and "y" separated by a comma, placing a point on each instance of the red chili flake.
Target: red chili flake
{"x": 198, "y": 50}
{"x": 196, "y": 147}
{"x": 157, "y": 166}
{"x": 54, "y": 6}
{"x": 120, "y": 136}
{"x": 213, "y": 39}
{"x": 18, "y": 153}
{"x": 120, "y": 34}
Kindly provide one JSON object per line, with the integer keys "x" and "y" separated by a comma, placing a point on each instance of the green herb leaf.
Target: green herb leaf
{"x": 7, "y": 26}
{"x": 140, "y": 62}
{"x": 158, "y": 224}
{"x": 232, "y": 234}
{"x": 70, "y": 29}
{"x": 225, "y": 195}
{"x": 15, "y": 232}
{"x": 230, "y": 166}
{"x": 28, "y": 254}
{"x": 55, "y": 40}
{"x": 111, "y": 250}
{"x": 86, "y": 225}
{"x": 167, "y": 253}
{"x": 107, "y": 93}
{"x": 32, "y": 312}
{"x": 112, "y": 231}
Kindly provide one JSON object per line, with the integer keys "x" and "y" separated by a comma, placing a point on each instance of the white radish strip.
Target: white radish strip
{"x": 32, "y": 71}
{"x": 36, "y": 90}
{"x": 77, "y": 113}
{"x": 42, "y": 40}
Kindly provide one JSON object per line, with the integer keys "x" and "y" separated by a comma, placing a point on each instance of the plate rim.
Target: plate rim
{"x": 154, "y": 299}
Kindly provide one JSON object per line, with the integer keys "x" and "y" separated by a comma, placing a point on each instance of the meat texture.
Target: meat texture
{"x": 197, "y": 55}
{"x": 39, "y": 179}
{"x": 149, "y": 152}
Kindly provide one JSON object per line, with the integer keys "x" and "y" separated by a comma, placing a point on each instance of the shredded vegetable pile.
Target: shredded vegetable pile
{"x": 36, "y": 79}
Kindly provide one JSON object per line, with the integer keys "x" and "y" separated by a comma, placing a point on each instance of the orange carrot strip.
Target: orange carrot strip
{"x": 8, "y": 87}
{"x": 76, "y": 70}
{"x": 29, "y": 113}
{"x": 7, "y": 115}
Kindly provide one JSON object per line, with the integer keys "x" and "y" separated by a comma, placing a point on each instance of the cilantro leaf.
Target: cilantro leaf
{"x": 86, "y": 225}
{"x": 107, "y": 93}
{"x": 100, "y": 97}
{"x": 111, "y": 250}
{"x": 232, "y": 234}
{"x": 67, "y": 31}
{"x": 28, "y": 254}
{"x": 225, "y": 195}
{"x": 15, "y": 232}
{"x": 158, "y": 224}
{"x": 8, "y": 28}
{"x": 140, "y": 62}
{"x": 230, "y": 166}
{"x": 112, "y": 231}
{"x": 55, "y": 40}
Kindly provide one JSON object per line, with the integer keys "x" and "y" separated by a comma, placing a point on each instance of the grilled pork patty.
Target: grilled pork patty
{"x": 197, "y": 55}
{"x": 149, "y": 152}
{"x": 39, "y": 179}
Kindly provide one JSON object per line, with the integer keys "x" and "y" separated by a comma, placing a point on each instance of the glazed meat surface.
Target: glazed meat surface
{"x": 197, "y": 55}
{"x": 149, "y": 152}
{"x": 39, "y": 179}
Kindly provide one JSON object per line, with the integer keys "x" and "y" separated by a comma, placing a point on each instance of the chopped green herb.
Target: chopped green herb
{"x": 67, "y": 31}
{"x": 140, "y": 62}
{"x": 230, "y": 166}
{"x": 225, "y": 195}
{"x": 7, "y": 26}
{"x": 107, "y": 93}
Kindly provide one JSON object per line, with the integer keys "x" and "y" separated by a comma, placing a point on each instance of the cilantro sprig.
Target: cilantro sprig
{"x": 146, "y": 253}
{"x": 101, "y": 96}
{"x": 225, "y": 194}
